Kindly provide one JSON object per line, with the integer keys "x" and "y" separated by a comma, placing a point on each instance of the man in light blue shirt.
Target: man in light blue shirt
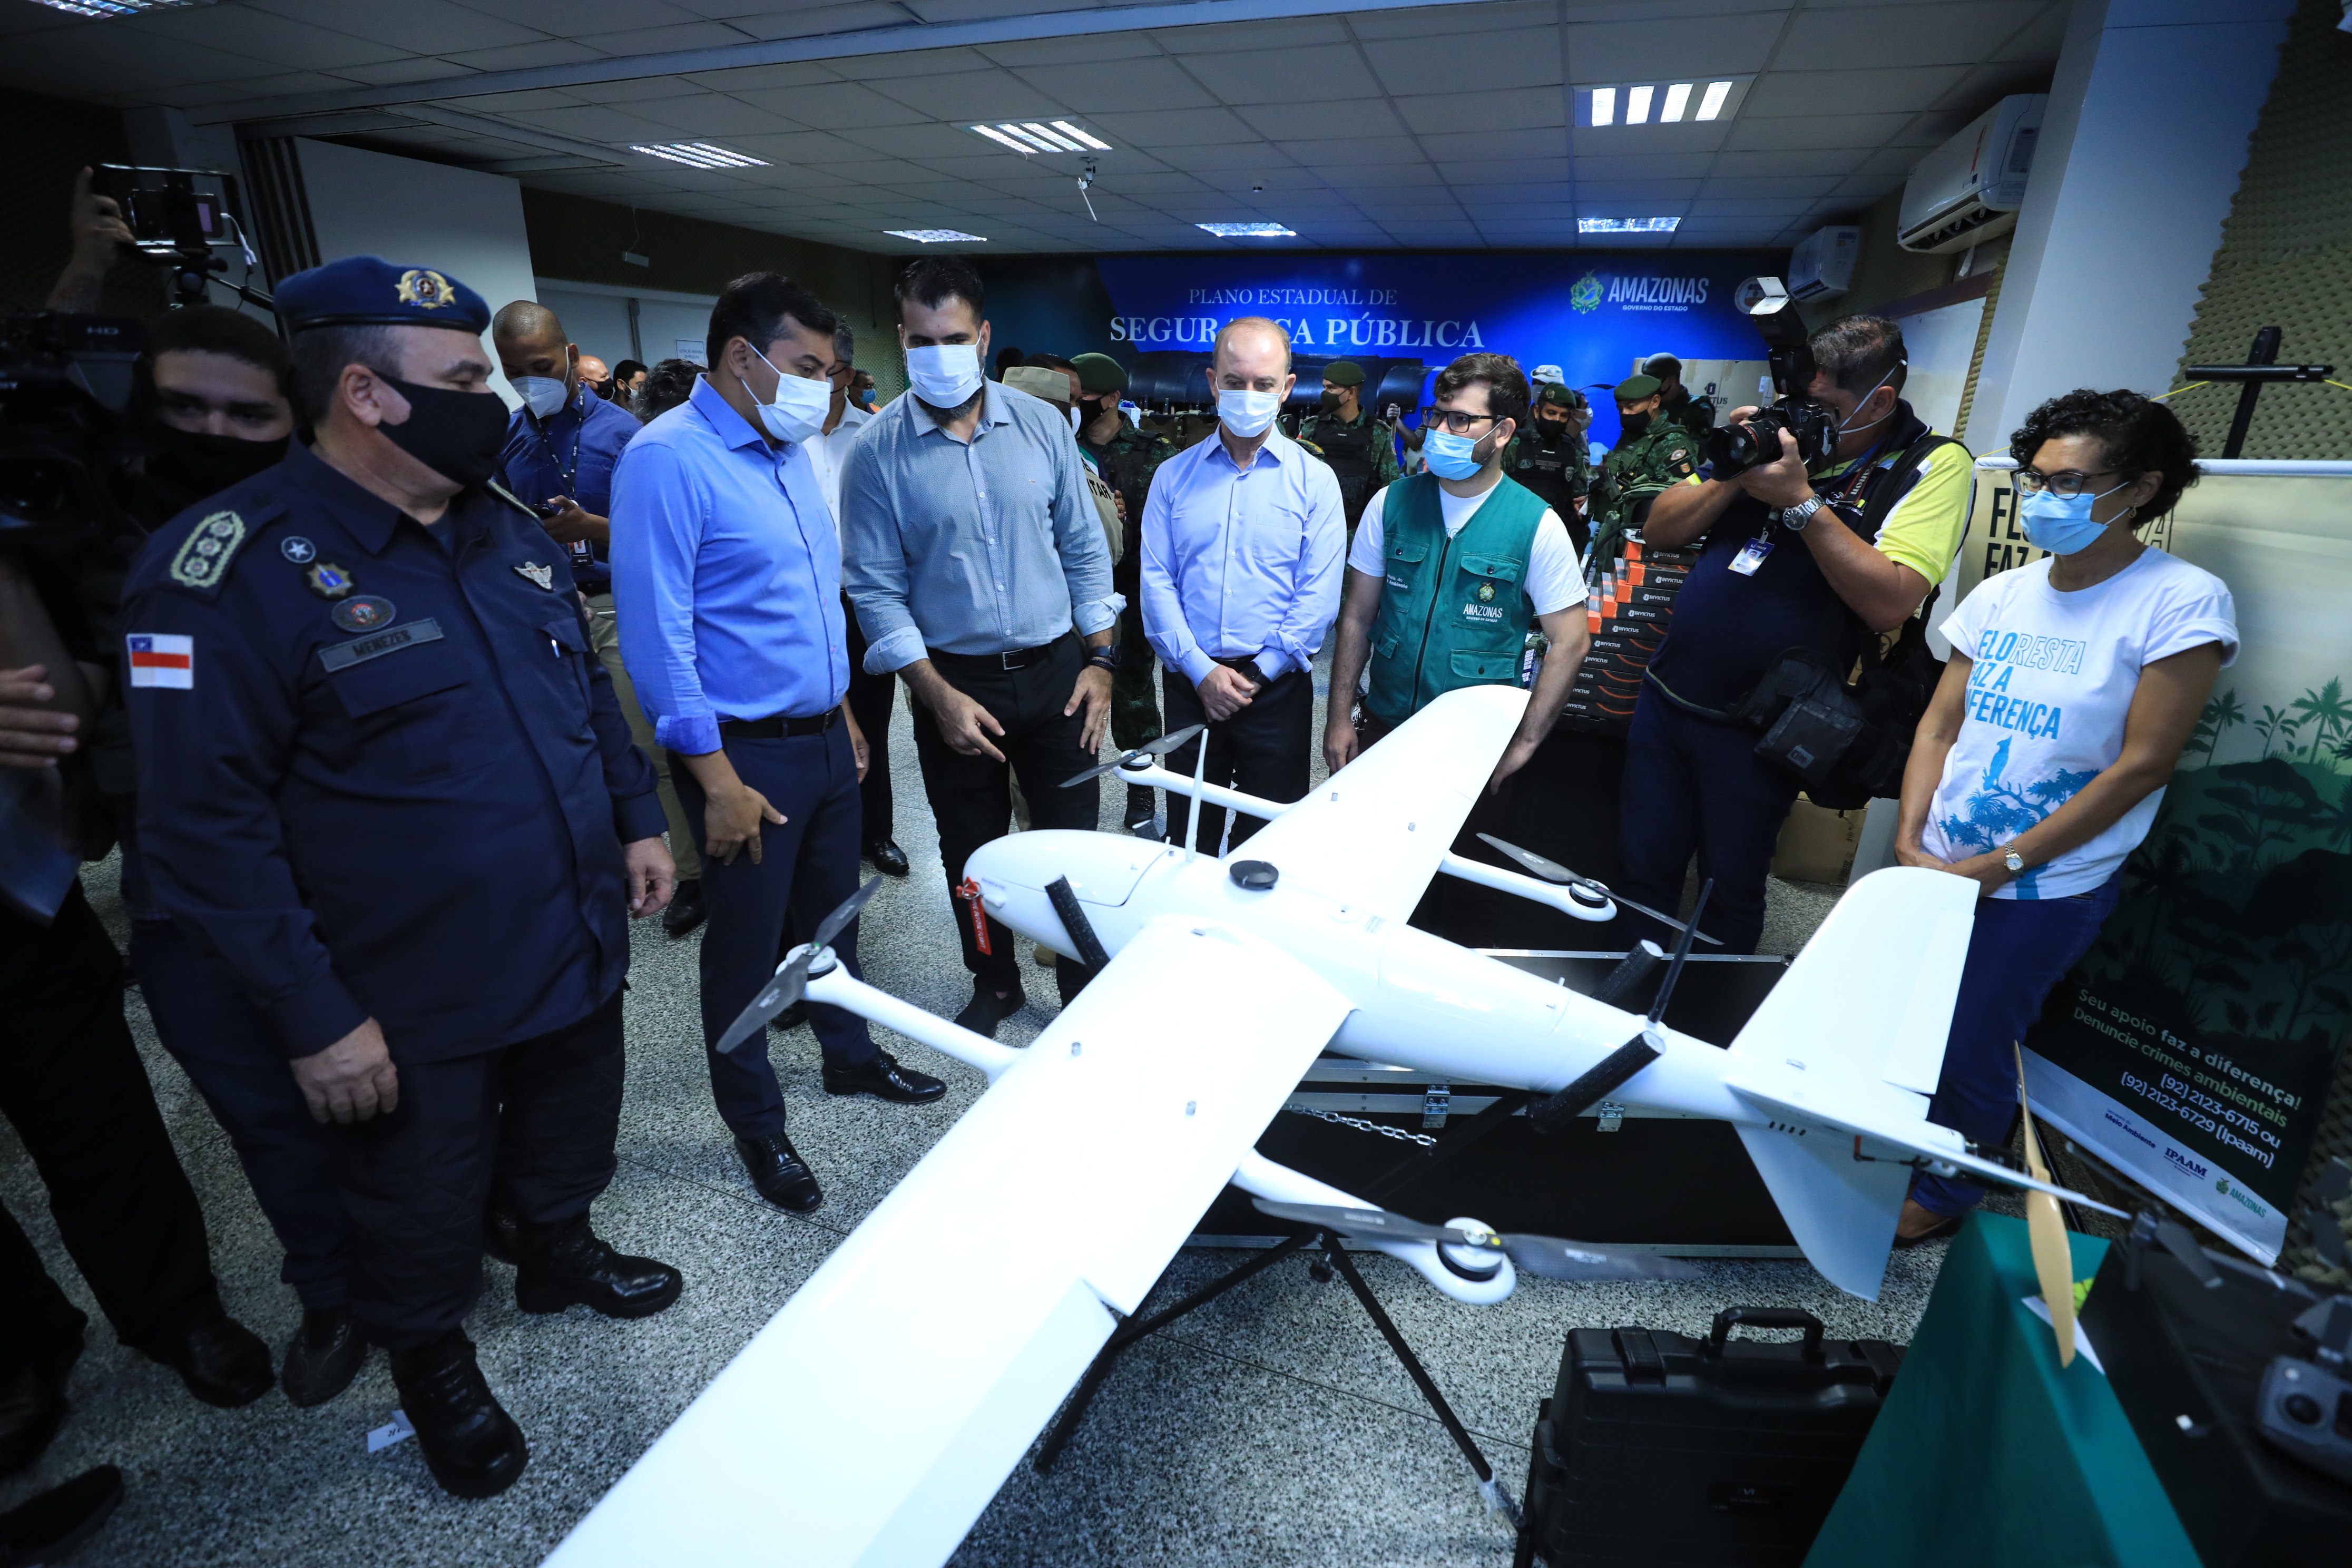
{"x": 727, "y": 570}
{"x": 1242, "y": 544}
{"x": 977, "y": 564}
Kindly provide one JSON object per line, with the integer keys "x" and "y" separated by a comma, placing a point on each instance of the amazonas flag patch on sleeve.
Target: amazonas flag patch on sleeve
{"x": 161, "y": 658}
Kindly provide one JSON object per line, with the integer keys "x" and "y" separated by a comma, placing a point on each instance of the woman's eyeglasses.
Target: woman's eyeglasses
{"x": 2065, "y": 486}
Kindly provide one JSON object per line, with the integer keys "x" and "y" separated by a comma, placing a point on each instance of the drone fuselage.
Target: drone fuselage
{"x": 1421, "y": 1002}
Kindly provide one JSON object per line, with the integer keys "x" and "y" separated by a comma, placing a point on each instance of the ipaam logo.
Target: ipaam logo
{"x": 2185, "y": 1162}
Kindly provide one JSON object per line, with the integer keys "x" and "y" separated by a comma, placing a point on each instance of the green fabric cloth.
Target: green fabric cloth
{"x": 1987, "y": 1453}
{"x": 1453, "y": 612}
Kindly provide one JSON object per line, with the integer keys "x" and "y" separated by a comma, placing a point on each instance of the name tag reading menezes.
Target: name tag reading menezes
{"x": 344, "y": 655}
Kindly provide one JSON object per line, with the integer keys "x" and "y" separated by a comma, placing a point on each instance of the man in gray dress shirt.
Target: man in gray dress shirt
{"x": 976, "y": 562}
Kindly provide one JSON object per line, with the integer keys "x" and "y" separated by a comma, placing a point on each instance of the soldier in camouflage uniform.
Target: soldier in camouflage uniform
{"x": 1550, "y": 457}
{"x": 1676, "y": 406}
{"x": 1651, "y": 454}
{"x": 1361, "y": 450}
{"x": 1126, "y": 458}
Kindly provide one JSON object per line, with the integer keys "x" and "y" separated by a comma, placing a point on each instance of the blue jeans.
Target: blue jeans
{"x": 232, "y": 1053}
{"x": 807, "y": 865}
{"x": 1696, "y": 785}
{"x": 2019, "y": 949}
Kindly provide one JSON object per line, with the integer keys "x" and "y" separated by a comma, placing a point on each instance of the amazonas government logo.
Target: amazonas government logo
{"x": 1585, "y": 298}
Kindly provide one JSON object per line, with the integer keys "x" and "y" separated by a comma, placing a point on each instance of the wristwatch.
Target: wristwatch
{"x": 1794, "y": 518}
{"x": 2013, "y": 860}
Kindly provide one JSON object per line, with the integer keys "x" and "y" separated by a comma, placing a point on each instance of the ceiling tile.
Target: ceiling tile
{"x": 973, "y": 95}
{"x": 1815, "y": 161}
{"x": 1528, "y": 58}
{"x": 1673, "y": 191}
{"x": 1601, "y": 141}
{"x": 1156, "y": 129}
{"x": 713, "y": 114}
{"x": 1642, "y": 165}
{"x": 1080, "y": 51}
{"x": 280, "y": 40}
{"x": 924, "y": 141}
{"x": 1652, "y": 50}
{"x": 1284, "y": 121}
{"x": 418, "y": 26}
{"x": 914, "y": 62}
{"x": 1154, "y": 83}
{"x": 833, "y": 103}
{"x": 1353, "y": 150}
{"x": 527, "y": 57}
{"x": 1807, "y": 187}
{"x": 1285, "y": 76}
{"x": 1445, "y": 21}
{"x": 1264, "y": 38}
{"x": 1849, "y": 91}
{"x": 1517, "y": 107}
{"x": 592, "y": 16}
{"x": 1473, "y": 144}
{"x": 1530, "y": 175}
{"x": 397, "y": 72}
{"x": 1236, "y": 155}
{"x": 752, "y": 78}
{"x": 2040, "y": 38}
{"x": 1725, "y": 206}
{"x": 1916, "y": 36}
{"x": 652, "y": 40}
{"x": 1824, "y": 131}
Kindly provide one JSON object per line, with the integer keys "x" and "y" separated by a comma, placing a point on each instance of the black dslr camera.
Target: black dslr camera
{"x": 1735, "y": 448}
{"x": 67, "y": 423}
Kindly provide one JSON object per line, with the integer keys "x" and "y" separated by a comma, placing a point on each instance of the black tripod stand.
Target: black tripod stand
{"x": 1403, "y": 1173}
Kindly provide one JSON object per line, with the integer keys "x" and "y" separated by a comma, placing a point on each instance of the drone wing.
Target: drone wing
{"x": 1372, "y": 835}
{"x": 874, "y": 1417}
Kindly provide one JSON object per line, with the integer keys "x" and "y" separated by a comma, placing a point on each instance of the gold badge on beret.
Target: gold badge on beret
{"x": 426, "y": 289}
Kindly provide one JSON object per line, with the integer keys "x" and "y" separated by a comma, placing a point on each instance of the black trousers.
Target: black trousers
{"x": 71, "y": 1082}
{"x": 870, "y": 698}
{"x": 536, "y": 1118}
{"x": 807, "y": 865}
{"x": 971, "y": 797}
{"x": 1262, "y": 750}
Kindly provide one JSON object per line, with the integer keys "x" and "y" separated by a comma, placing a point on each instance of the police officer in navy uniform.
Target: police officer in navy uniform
{"x": 381, "y": 770}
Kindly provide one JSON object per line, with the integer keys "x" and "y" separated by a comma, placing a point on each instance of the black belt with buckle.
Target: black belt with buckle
{"x": 1015, "y": 658}
{"x": 777, "y": 728}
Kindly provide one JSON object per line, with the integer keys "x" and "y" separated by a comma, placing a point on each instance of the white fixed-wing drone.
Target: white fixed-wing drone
{"x": 1010, "y": 1253}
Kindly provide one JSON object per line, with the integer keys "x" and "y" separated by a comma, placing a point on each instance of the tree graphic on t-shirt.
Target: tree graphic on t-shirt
{"x": 1997, "y": 811}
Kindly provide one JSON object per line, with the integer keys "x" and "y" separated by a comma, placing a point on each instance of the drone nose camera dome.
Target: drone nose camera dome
{"x": 1257, "y": 875}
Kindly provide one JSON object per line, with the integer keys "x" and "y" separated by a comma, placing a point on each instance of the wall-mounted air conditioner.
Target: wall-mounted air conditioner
{"x": 1970, "y": 189}
{"x": 1822, "y": 263}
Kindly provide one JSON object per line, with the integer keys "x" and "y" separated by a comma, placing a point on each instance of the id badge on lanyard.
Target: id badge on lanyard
{"x": 1751, "y": 556}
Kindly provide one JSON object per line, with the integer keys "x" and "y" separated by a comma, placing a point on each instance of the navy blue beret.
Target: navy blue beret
{"x": 368, "y": 290}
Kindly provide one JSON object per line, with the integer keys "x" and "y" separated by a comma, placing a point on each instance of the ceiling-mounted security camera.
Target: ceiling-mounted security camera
{"x": 1087, "y": 177}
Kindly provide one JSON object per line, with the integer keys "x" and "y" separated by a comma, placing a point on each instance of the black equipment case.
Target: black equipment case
{"x": 1660, "y": 1450}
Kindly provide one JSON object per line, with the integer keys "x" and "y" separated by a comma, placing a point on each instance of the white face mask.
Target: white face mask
{"x": 944, "y": 376}
{"x": 799, "y": 407}
{"x": 1247, "y": 413}
{"x": 543, "y": 394}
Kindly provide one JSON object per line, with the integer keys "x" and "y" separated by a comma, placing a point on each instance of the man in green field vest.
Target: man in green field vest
{"x": 1448, "y": 570}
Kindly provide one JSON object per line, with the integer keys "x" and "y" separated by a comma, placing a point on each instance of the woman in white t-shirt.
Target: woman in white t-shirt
{"x": 2073, "y": 684}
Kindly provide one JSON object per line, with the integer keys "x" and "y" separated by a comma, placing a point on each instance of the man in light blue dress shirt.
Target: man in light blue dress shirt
{"x": 1242, "y": 544}
{"x": 727, "y": 569}
{"x": 977, "y": 564}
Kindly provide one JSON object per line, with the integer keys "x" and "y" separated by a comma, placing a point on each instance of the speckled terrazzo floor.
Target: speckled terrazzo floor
{"x": 1271, "y": 1428}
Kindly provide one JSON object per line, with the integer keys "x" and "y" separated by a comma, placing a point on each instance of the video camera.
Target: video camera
{"x": 181, "y": 218}
{"x": 1735, "y": 448}
{"x": 67, "y": 425}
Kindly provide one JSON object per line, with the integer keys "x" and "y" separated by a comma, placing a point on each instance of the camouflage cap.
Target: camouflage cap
{"x": 1344, "y": 373}
{"x": 1634, "y": 388}
{"x": 1099, "y": 374}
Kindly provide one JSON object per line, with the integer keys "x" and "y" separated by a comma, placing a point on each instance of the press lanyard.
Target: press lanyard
{"x": 564, "y": 470}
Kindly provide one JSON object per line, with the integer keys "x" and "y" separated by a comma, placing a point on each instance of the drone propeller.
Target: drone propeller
{"x": 791, "y": 980}
{"x": 2045, "y": 1232}
{"x": 1546, "y": 1257}
{"x": 1158, "y": 748}
{"x": 1553, "y": 871}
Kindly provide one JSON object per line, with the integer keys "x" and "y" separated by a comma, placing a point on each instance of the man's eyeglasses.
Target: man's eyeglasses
{"x": 2065, "y": 486}
{"x": 1456, "y": 420}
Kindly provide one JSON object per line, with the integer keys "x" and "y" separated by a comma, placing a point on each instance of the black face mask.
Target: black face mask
{"x": 456, "y": 434}
{"x": 1332, "y": 401}
{"x": 203, "y": 465}
{"x": 1633, "y": 425}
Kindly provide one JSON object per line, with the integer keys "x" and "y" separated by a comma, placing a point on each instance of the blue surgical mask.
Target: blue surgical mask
{"x": 1451, "y": 457}
{"x": 2062, "y": 524}
{"x": 1247, "y": 413}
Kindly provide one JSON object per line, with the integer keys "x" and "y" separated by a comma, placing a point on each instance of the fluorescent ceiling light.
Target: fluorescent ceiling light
{"x": 1028, "y": 136}
{"x": 1626, "y": 225}
{"x": 934, "y": 235}
{"x": 1249, "y": 230}
{"x": 117, "y": 7}
{"x": 1671, "y": 100}
{"x": 699, "y": 154}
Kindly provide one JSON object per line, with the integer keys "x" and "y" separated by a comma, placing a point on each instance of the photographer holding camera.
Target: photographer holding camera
{"x": 1804, "y": 558}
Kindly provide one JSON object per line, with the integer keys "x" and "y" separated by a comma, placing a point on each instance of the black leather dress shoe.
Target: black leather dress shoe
{"x": 885, "y": 856}
{"x": 883, "y": 1078}
{"x": 47, "y": 1526}
{"x": 471, "y": 1445}
{"x": 989, "y": 1006}
{"x": 782, "y": 1177}
{"x": 791, "y": 1018}
{"x": 325, "y": 1353}
{"x": 498, "y": 1236}
{"x": 566, "y": 1263}
{"x": 686, "y": 908}
{"x": 1142, "y": 807}
{"x": 32, "y": 1403}
{"x": 222, "y": 1362}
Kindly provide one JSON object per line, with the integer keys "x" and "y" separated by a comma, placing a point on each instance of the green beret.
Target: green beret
{"x": 1554, "y": 392}
{"x": 1099, "y": 374}
{"x": 1634, "y": 388}
{"x": 1344, "y": 373}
